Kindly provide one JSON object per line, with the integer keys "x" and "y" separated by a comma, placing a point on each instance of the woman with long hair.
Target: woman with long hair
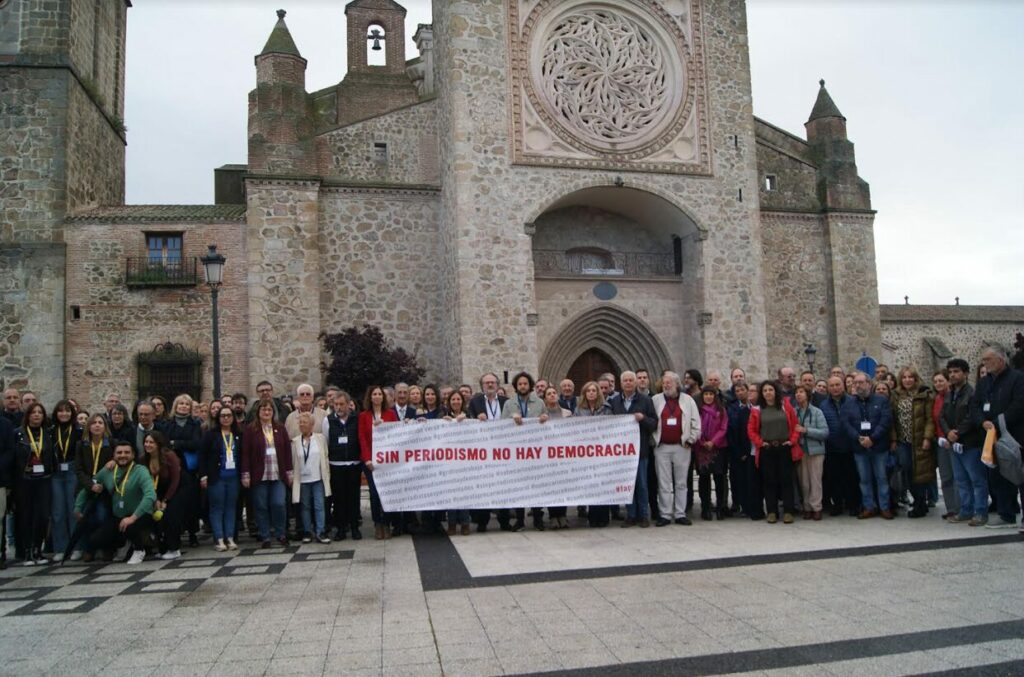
{"x": 120, "y": 424}
{"x": 431, "y": 403}
{"x": 592, "y": 403}
{"x": 95, "y": 450}
{"x": 34, "y": 465}
{"x": 160, "y": 413}
{"x": 66, "y": 435}
{"x": 558, "y": 514}
{"x": 375, "y": 412}
{"x": 709, "y": 453}
{"x": 218, "y": 468}
{"x": 172, "y": 492}
{"x": 458, "y": 518}
{"x": 772, "y": 430}
{"x": 267, "y": 472}
{"x": 913, "y": 434}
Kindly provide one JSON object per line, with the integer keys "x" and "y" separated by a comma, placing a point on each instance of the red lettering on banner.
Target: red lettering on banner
{"x": 386, "y": 457}
{"x": 591, "y": 450}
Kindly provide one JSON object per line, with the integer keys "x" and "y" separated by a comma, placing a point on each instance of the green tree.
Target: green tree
{"x": 362, "y": 356}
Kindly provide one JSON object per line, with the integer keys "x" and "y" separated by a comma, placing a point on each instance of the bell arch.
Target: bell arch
{"x": 616, "y": 332}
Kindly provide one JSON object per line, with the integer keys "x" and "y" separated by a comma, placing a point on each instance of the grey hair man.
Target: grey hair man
{"x": 304, "y": 404}
{"x": 677, "y": 430}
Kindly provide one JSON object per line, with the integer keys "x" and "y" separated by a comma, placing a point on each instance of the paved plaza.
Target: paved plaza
{"x": 837, "y": 597}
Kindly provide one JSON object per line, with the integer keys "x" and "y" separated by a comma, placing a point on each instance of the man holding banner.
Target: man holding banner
{"x": 632, "y": 402}
{"x": 486, "y": 405}
{"x": 524, "y": 404}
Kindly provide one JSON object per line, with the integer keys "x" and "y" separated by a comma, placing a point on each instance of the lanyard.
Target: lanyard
{"x": 124, "y": 483}
{"x": 229, "y": 445}
{"x": 523, "y": 406}
{"x": 156, "y": 482}
{"x": 672, "y": 406}
{"x": 96, "y": 456}
{"x": 269, "y": 437}
{"x": 37, "y": 447}
{"x": 62, "y": 443}
{"x": 863, "y": 404}
{"x": 306, "y": 445}
{"x": 492, "y": 411}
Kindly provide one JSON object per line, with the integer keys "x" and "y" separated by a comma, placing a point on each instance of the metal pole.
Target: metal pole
{"x": 216, "y": 345}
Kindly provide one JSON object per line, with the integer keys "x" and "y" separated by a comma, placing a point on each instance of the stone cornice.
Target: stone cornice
{"x": 380, "y": 188}
{"x": 305, "y": 180}
{"x": 902, "y": 313}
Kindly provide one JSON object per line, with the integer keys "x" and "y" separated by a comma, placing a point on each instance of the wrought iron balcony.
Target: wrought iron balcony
{"x": 601, "y": 263}
{"x": 143, "y": 271}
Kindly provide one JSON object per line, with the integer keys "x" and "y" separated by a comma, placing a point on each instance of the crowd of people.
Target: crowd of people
{"x": 118, "y": 483}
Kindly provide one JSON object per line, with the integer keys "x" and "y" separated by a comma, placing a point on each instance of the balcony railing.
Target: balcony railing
{"x": 142, "y": 271}
{"x": 555, "y": 263}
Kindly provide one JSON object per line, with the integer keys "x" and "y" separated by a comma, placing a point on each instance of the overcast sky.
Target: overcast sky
{"x": 931, "y": 91}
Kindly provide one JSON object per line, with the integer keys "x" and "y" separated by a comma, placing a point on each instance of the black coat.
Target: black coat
{"x": 347, "y": 451}
{"x": 641, "y": 404}
{"x": 23, "y": 452}
{"x": 6, "y": 453}
{"x": 1005, "y": 395}
{"x": 209, "y": 456}
{"x": 478, "y": 405}
{"x": 956, "y": 415}
{"x": 184, "y": 438}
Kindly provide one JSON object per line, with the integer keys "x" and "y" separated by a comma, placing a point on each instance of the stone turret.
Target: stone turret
{"x": 280, "y": 120}
{"x": 839, "y": 186}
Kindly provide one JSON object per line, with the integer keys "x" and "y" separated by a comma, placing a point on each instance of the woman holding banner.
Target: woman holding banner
{"x": 375, "y": 411}
{"x": 458, "y": 519}
{"x": 553, "y": 409}
{"x": 592, "y": 403}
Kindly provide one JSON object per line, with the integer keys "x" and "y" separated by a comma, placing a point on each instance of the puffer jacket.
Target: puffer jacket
{"x": 923, "y": 429}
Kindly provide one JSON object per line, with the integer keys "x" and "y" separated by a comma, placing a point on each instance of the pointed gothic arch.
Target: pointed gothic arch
{"x": 616, "y": 332}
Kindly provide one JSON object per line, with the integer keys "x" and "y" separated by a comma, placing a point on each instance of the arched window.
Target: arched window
{"x": 376, "y": 46}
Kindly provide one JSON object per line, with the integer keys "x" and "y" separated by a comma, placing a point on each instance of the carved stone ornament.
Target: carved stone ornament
{"x": 609, "y": 84}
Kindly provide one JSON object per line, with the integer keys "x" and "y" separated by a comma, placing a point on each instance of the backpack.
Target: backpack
{"x": 1008, "y": 458}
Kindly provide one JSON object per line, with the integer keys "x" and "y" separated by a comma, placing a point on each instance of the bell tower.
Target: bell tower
{"x": 376, "y": 25}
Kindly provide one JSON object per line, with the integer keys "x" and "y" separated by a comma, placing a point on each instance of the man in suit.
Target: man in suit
{"x": 401, "y": 407}
{"x": 486, "y": 405}
{"x": 632, "y": 402}
{"x": 567, "y": 395}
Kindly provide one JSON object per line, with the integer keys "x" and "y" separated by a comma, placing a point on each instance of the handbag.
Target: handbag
{"x": 1008, "y": 458}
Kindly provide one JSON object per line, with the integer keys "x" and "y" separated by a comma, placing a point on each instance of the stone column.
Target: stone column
{"x": 855, "y": 286}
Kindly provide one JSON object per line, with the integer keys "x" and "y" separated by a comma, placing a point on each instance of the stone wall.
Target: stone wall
{"x": 964, "y": 330}
{"x": 32, "y": 317}
{"x": 571, "y": 227}
{"x": 798, "y": 288}
{"x": 95, "y": 156}
{"x": 851, "y": 240}
{"x": 379, "y": 258}
{"x": 117, "y": 322}
{"x": 284, "y": 266}
{"x": 348, "y": 153}
{"x": 787, "y": 158}
{"x": 486, "y": 199}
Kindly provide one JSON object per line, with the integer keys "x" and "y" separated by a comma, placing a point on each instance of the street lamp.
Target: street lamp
{"x": 213, "y": 266}
{"x": 809, "y": 352}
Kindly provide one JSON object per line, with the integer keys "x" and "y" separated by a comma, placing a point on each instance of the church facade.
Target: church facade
{"x": 566, "y": 187}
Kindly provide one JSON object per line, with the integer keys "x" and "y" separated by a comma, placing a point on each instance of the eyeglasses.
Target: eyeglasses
{"x": 227, "y": 414}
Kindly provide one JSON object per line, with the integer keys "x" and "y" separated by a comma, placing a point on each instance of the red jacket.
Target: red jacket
{"x": 366, "y": 431}
{"x": 754, "y": 432}
{"x": 254, "y": 451}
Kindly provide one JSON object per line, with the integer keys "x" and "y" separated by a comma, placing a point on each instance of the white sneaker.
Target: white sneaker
{"x": 76, "y": 555}
{"x": 29, "y": 562}
{"x": 231, "y": 544}
{"x": 220, "y": 547}
{"x": 171, "y": 554}
{"x": 137, "y": 557}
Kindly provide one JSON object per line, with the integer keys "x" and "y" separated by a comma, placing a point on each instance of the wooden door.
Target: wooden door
{"x": 589, "y": 366}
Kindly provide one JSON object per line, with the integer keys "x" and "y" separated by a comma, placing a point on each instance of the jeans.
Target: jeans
{"x": 950, "y": 493}
{"x": 268, "y": 504}
{"x": 971, "y": 477}
{"x": 871, "y": 467}
{"x": 311, "y": 495}
{"x": 223, "y": 495}
{"x": 673, "y": 462}
{"x": 63, "y": 508}
{"x": 637, "y": 510}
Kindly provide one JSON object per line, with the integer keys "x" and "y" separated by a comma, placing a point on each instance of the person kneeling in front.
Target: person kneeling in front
{"x": 132, "y": 497}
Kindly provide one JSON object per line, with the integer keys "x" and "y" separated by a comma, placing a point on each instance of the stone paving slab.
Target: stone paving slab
{"x": 837, "y": 597}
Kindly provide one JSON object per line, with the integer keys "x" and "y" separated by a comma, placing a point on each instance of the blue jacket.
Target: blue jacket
{"x": 838, "y": 442}
{"x": 877, "y": 411}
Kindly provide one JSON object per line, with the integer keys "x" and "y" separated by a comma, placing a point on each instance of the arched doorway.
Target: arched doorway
{"x": 591, "y": 364}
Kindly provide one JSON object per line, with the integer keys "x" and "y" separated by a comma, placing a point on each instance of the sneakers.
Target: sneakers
{"x": 322, "y": 539}
{"x": 76, "y": 555}
{"x": 787, "y": 518}
{"x": 772, "y": 518}
{"x": 171, "y": 554}
{"x": 219, "y": 546}
{"x": 306, "y": 538}
{"x": 137, "y": 557}
{"x": 231, "y": 544}
{"x": 978, "y": 521}
{"x": 1000, "y": 524}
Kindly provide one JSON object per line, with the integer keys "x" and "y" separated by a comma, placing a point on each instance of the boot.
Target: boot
{"x": 378, "y": 532}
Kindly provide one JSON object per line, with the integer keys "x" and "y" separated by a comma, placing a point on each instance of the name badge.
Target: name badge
{"x": 229, "y": 462}
{"x": 865, "y": 426}
{"x": 271, "y": 451}
{"x": 38, "y": 469}
{"x": 64, "y": 467}
{"x": 987, "y": 407}
{"x": 342, "y": 439}
{"x": 120, "y": 505}
{"x": 672, "y": 421}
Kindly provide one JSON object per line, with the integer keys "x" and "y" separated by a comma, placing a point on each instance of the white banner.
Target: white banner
{"x": 441, "y": 465}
